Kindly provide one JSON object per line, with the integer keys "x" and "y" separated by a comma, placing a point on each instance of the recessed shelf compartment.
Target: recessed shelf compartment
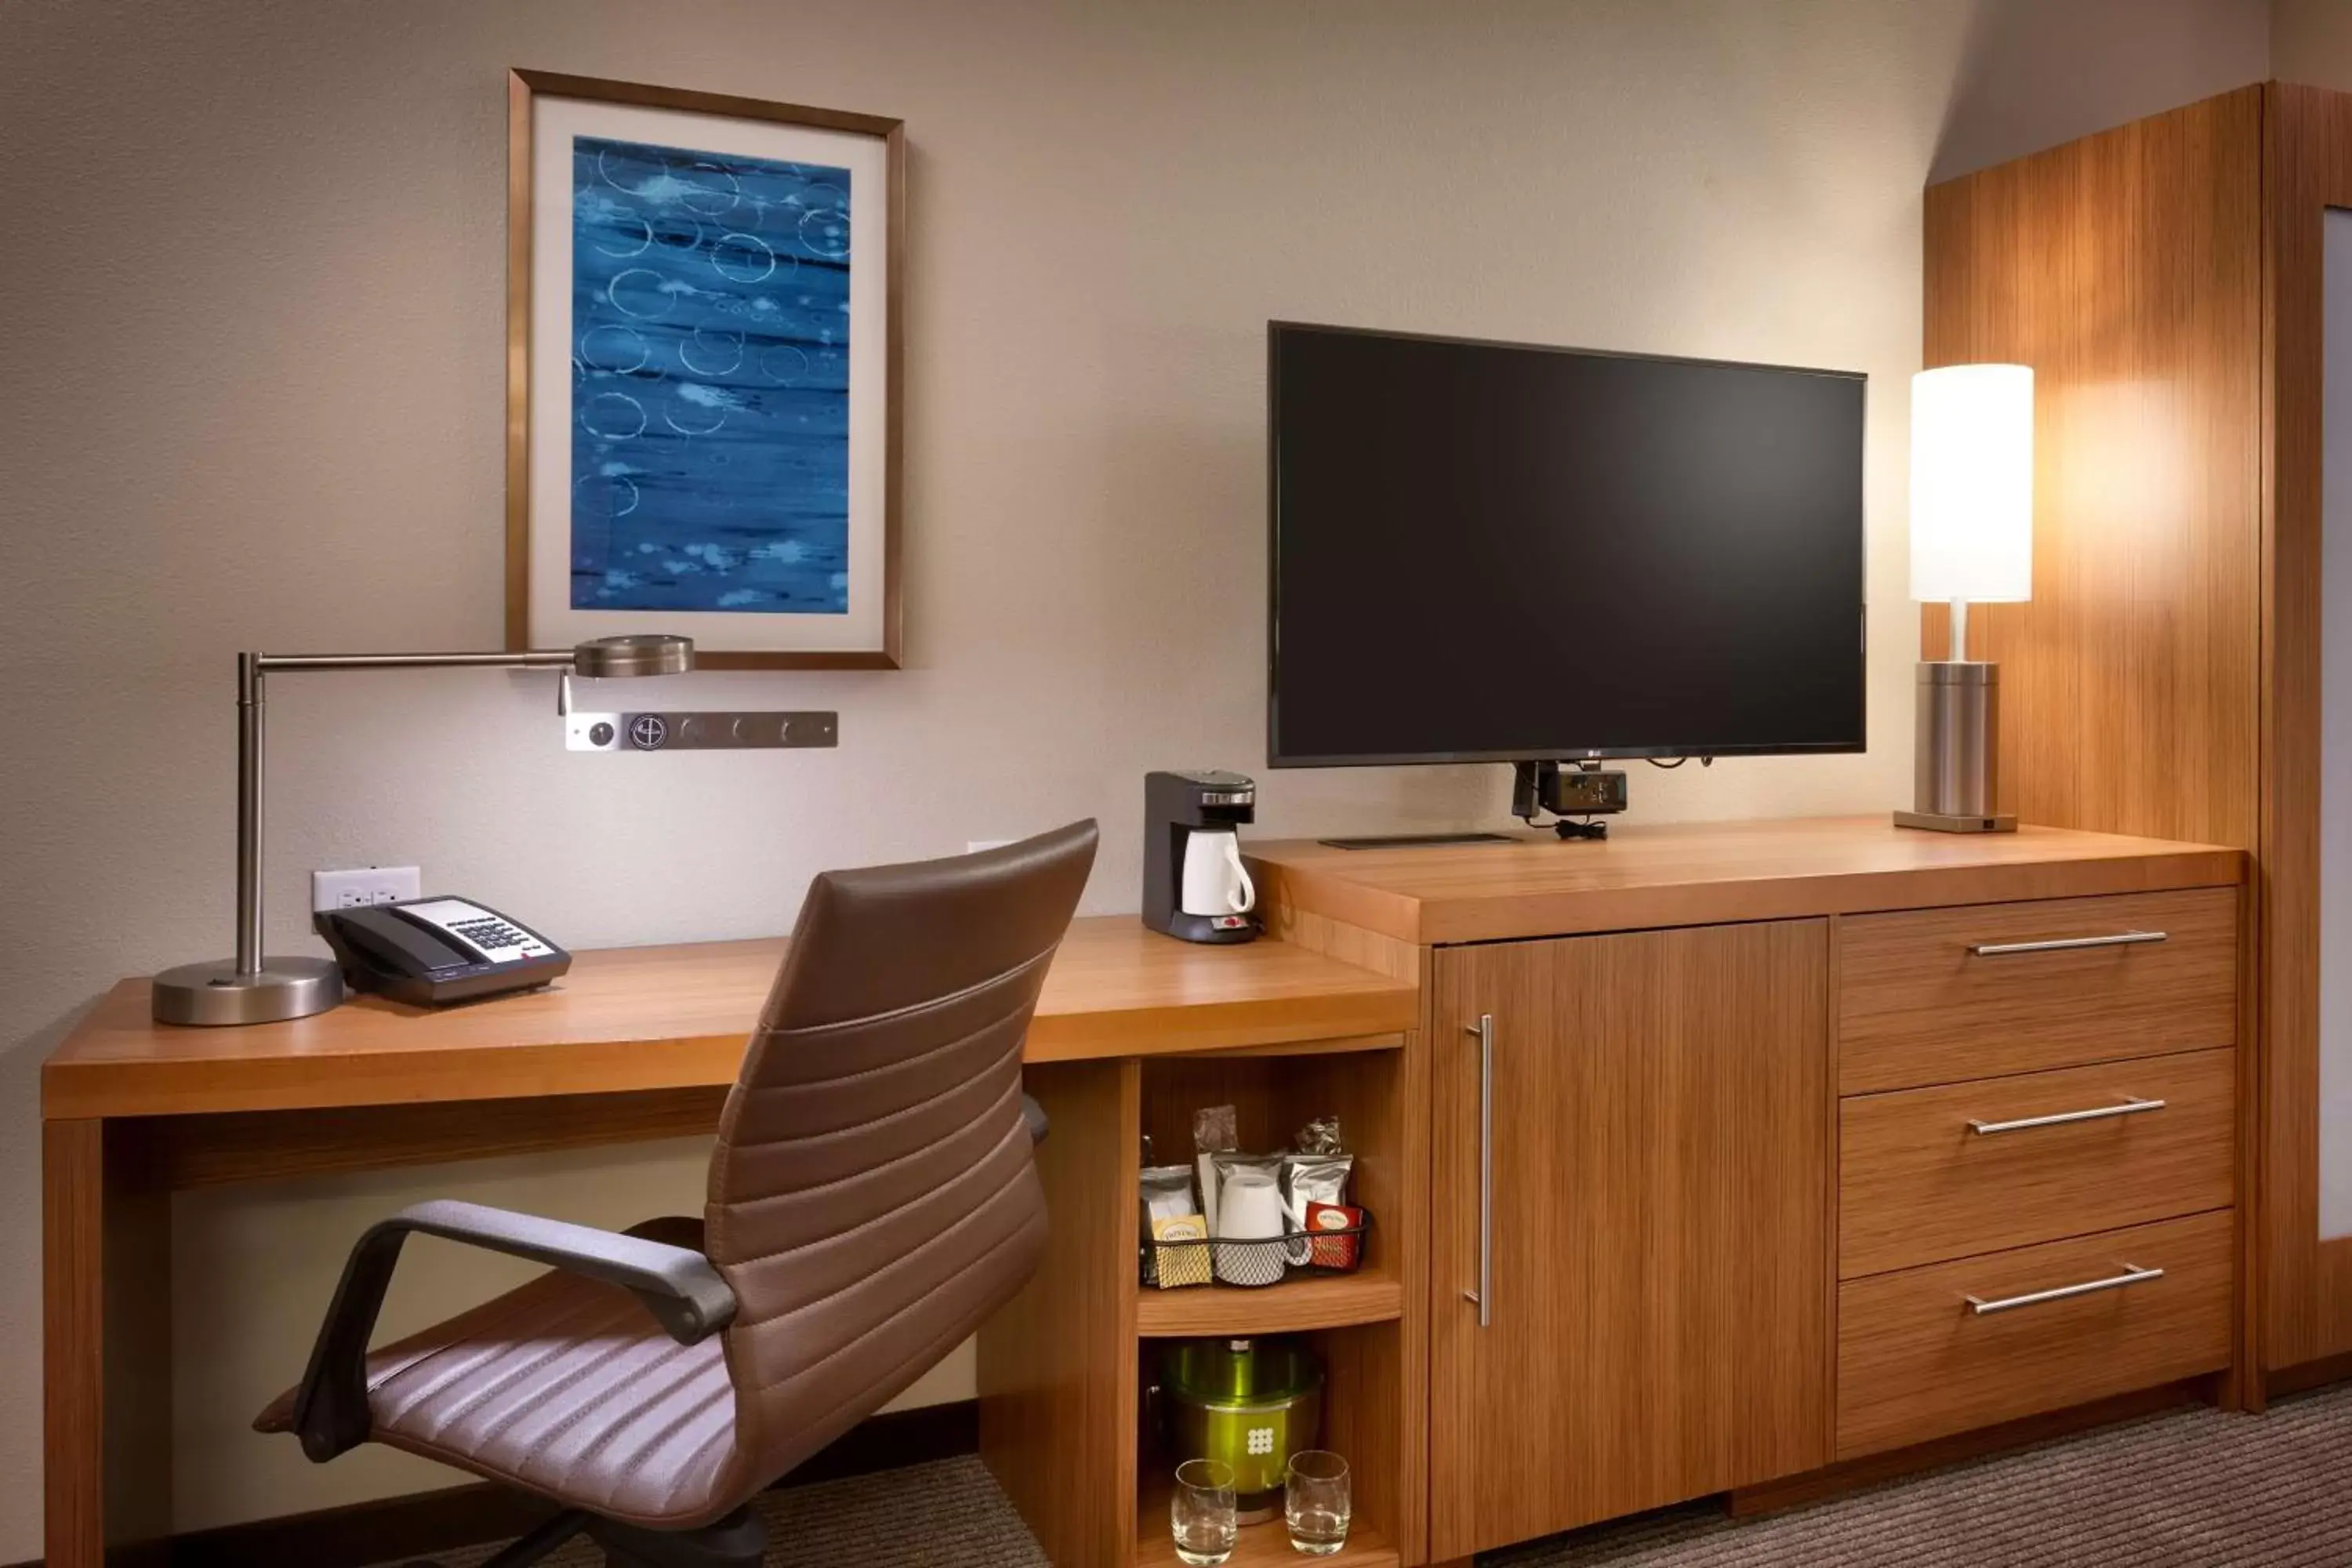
{"x": 1371, "y": 1295}
{"x": 1260, "y": 1545}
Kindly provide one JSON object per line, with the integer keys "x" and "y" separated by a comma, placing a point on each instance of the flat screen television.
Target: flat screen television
{"x": 1490, "y": 552}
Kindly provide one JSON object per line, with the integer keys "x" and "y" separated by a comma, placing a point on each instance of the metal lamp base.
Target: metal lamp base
{"x": 1956, "y": 775}
{"x": 215, "y": 993}
{"x": 1942, "y": 821}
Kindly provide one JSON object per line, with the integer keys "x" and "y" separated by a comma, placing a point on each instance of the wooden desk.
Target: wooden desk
{"x": 634, "y": 1043}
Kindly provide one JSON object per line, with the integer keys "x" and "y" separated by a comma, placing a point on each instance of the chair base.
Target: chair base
{"x": 739, "y": 1540}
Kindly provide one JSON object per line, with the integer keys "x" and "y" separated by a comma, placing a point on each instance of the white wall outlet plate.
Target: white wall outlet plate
{"x": 594, "y": 731}
{"x": 974, "y": 846}
{"x": 373, "y": 885}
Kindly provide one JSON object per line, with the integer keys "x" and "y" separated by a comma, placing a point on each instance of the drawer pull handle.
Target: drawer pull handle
{"x": 2133, "y": 1274}
{"x": 2068, "y": 943}
{"x": 2132, "y": 1106}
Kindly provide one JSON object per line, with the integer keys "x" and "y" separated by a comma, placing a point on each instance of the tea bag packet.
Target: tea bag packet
{"x": 1340, "y": 1252}
{"x": 1167, "y": 1197}
{"x": 1309, "y": 1179}
{"x": 1216, "y": 1130}
{"x": 1180, "y": 1251}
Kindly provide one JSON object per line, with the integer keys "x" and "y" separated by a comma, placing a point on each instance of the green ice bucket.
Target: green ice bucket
{"x": 1249, "y": 1403}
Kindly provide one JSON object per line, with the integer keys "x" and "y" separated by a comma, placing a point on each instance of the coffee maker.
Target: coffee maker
{"x": 1194, "y": 884}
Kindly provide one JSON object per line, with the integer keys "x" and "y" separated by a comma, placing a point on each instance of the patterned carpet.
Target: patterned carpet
{"x": 2192, "y": 1489}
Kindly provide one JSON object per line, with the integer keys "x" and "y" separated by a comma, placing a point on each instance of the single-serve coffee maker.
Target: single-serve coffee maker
{"x": 1194, "y": 884}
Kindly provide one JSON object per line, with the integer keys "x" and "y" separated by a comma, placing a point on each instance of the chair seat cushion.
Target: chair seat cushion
{"x": 567, "y": 1388}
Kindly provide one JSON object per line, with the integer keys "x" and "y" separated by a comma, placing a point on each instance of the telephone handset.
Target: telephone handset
{"x": 434, "y": 950}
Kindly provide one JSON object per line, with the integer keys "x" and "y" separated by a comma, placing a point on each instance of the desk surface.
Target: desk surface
{"x": 676, "y": 1017}
{"x": 1686, "y": 873}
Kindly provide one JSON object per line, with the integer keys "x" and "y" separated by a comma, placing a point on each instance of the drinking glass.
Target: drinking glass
{"x": 1201, "y": 1513}
{"x": 1314, "y": 1502}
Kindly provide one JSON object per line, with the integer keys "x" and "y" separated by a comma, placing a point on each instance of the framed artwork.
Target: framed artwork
{"x": 703, "y": 373}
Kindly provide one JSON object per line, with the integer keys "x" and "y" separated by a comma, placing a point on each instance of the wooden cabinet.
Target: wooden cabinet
{"x": 1655, "y": 1139}
{"x": 1707, "y": 1198}
{"x": 2169, "y": 282}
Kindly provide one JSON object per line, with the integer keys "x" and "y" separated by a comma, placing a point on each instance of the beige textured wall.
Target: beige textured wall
{"x": 2311, "y": 41}
{"x": 251, "y": 388}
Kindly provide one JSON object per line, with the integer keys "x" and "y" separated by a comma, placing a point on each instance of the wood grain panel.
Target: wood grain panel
{"x": 630, "y": 1020}
{"x": 1372, "y": 1414}
{"x": 73, "y": 1365}
{"x": 278, "y": 1145}
{"x": 2126, "y": 269}
{"x": 1915, "y": 1364}
{"x": 1916, "y": 1007}
{"x": 1661, "y": 1143}
{"x": 1705, "y": 873}
{"x": 1056, "y": 1364}
{"x": 1920, "y": 1185}
{"x": 1367, "y": 1296}
{"x": 2308, "y": 168}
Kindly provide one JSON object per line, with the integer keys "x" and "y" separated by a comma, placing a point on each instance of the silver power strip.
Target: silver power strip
{"x": 720, "y": 732}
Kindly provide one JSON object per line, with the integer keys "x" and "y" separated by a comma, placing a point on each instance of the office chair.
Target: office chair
{"x": 873, "y": 1197}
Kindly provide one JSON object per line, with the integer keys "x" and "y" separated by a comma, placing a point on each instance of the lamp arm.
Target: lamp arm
{"x": 252, "y": 715}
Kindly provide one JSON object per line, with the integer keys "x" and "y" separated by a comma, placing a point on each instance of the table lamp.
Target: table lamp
{"x": 251, "y": 988}
{"x": 1972, "y": 539}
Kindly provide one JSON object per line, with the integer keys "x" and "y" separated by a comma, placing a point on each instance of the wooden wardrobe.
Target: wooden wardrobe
{"x": 2165, "y": 279}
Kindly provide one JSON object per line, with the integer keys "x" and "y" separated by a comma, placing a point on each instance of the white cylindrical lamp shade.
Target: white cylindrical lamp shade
{"x": 1972, "y": 484}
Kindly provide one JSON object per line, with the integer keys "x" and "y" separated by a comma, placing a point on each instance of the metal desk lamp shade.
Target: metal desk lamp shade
{"x": 255, "y": 988}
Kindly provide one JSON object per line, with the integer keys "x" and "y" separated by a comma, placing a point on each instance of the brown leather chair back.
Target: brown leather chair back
{"x": 874, "y": 1196}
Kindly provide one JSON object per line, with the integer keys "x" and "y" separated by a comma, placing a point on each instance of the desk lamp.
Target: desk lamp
{"x": 1971, "y": 538}
{"x": 253, "y": 989}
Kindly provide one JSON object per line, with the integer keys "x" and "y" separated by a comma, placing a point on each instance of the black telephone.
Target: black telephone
{"x": 437, "y": 951}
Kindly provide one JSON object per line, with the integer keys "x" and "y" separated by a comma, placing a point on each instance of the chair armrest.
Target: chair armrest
{"x": 679, "y": 1285}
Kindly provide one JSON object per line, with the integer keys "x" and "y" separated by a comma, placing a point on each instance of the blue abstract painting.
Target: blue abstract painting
{"x": 710, "y": 382}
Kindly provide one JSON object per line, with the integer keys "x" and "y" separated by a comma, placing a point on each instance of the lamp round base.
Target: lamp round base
{"x": 215, "y": 993}
{"x": 1944, "y": 822}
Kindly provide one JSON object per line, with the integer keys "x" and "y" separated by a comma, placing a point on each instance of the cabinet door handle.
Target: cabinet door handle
{"x": 1483, "y": 1029}
{"x": 2068, "y": 943}
{"x": 2132, "y": 1106}
{"x": 2133, "y": 1274}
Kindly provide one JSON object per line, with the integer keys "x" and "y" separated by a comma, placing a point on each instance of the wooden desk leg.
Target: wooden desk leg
{"x": 106, "y": 1326}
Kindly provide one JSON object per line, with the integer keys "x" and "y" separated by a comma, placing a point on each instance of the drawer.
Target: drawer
{"x": 1915, "y": 1360}
{"x": 1921, "y": 1000}
{"x": 1918, "y": 1183}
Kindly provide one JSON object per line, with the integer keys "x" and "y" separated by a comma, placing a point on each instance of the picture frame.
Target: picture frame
{"x": 704, "y": 373}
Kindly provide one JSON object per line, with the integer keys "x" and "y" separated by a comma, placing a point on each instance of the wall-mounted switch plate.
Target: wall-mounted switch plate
{"x": 375, "y": 885}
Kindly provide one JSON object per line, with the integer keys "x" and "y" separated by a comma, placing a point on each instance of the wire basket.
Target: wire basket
{"x": 1256, "y": 1263}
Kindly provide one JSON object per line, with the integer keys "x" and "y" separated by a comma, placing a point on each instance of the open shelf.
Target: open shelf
{"x": 1371, "y": 1295}
{"x": 1259, "y": 1546}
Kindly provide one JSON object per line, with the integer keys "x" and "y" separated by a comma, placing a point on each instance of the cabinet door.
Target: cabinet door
{"x": 1659, "y": 1272}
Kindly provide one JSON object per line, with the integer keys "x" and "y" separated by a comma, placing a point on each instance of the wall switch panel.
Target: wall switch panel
{"x": 727, "y": 732}
{"x": 374, "y": 884}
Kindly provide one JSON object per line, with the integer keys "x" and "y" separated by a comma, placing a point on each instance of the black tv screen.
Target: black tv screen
{"x": 1493, "y": 552}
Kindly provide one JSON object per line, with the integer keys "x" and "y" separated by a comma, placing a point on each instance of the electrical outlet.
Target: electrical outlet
{"x": 974, "y": 846}
{"x": 375, "y": 885}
